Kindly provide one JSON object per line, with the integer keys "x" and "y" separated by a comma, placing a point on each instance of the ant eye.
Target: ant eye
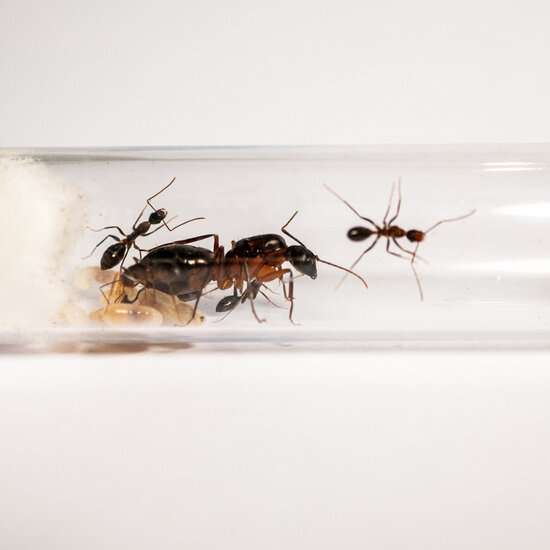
{"x": 157, "y": 216}
{"x": 359, "y": 233}
{"x": 415, "y": 236}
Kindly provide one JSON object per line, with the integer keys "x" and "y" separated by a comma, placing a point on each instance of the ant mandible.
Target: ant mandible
{"x": 116, "y": 253}
{"x": 392, "y": 232}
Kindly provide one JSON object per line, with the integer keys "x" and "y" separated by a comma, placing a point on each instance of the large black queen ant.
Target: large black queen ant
{"x": 116, "y": 253}
{"x": 392, "y": 232}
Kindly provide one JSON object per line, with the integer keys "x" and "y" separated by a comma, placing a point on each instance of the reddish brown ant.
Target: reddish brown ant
{"x": 392, "y": 232}
{"x": 116, "y": 253}
{"x": 182, "y": 270}
{"x": 258, "y": 259}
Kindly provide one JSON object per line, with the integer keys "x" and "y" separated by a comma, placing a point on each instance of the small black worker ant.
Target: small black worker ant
{"x": 392, "y": 232}
{"x": 116, "y": 253}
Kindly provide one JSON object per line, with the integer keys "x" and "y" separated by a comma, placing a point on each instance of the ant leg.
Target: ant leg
{"x": 413, "y": 258}
{"x": 389, "y": 205}
{"x": 358, "y": 260}
{"x": 112, "y": 285}
{"x": 204, "y": 283}
{"x": 281, "y": 274}
{"x": 209, "y": 291}
{"x": 416, "y": 274}
{"x": 398, "y": 202}
{"x": 249, "y": 284}
{"x": 194, "y": 312}
{"x": 251, "y": 292}
{"x": 126, "y": 300}
{"x": 107, "y": 227}
{"x": 270, "y": 289}
{"x": 291, "y": 298}
{"x": 267, "y": 298}
{"x": 99, "y": 244}
{"x": 172, "y": 228}
{"x": 107, "y": 301}
{"x": 349, "y": 206}
{"x": 125, "y": 256}
{"x": 140, "y": 250}
{"x": 394, "y": 253}
{"x": 408, "y": 252}
{"x": 156, "y": 228}
{"x": 364, "y": 252}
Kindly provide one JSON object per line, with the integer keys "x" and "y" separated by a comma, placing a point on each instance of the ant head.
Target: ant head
{"x": 299, "y": 256}
{"x": 157, "y": 216}
{"x": 133, "y": 275}
{"x": 359, "y": 233}
{"x": 415, "y": 236}
{"x": 303, "y": 260}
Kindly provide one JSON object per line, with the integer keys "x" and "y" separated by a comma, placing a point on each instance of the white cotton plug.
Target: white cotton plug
{"x": 41, "y": 216}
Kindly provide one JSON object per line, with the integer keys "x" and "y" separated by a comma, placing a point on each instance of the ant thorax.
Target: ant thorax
{"x": 393, "y": 232}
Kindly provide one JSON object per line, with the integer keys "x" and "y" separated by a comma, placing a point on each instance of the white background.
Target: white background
{"x": 188, "y": 449}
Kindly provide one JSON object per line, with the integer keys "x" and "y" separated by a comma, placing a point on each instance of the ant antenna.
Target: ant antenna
{"x": 283, "y": 229}
{"x": 348, "y": 205}
{"x": 159, "y": 192}
{"x": 451, "y": 220}
{"x": 182, "y": 223}
{"x": 413, "y": 257}
{"x": 390, "y": 201}
{"x": 349, "y": 271}
{"x": 415, "y": 273}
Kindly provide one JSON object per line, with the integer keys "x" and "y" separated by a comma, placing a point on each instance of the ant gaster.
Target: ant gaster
{"x": 392, "y": 232}
{"x": 116, "y": 253}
